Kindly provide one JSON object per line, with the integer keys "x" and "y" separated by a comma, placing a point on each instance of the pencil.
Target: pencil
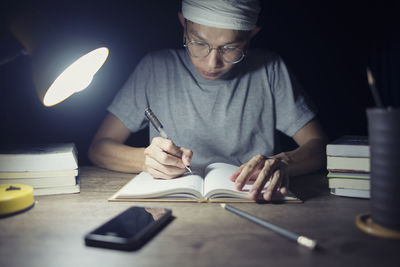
{"x": 300, "y": 239}
{"x": 374, "y": 90}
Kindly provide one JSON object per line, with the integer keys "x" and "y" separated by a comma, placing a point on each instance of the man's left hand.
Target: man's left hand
{"x": 258, "y": 171}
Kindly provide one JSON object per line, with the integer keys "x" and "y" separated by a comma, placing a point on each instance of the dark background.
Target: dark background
{"x": 327, "y": 45}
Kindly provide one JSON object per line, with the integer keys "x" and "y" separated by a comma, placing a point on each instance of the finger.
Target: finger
{"x": 181, "y": 156}
{"x": 161, "y": 156}
{"x": 236, "y": 173}
{"x": 283, "y": 191}
{"x": 157, "y": 174}
{"x": 283, "y": 183}
{"x": 167, "y": 146}
{"x": 280, "y": 182}
{"x": 265, "y": 175}
{"x": 251, "y": 168}
{"x": 270, "y": 166}
{"x": 187, "y": 155}
{"x": 158, "y": 170}
{"x": 244, "y": 176}
{"x": 262, "y": 178}
{"x": 277, "y": 195}
{"x": 284, "y": 188}
{"x": 271, "y": 189}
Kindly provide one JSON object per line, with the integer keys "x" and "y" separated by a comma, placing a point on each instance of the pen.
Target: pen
{"x": 159, "y": 127}
{"x": 301, "y": 240}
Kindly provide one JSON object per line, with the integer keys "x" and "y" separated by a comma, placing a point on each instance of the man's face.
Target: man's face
{"x": 213, "y": 66}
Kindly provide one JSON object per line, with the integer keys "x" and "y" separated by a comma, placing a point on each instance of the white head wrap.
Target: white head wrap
{"x": 225, "y": 14}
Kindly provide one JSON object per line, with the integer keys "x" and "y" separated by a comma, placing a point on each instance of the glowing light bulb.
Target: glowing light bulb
{"x": 76, "y": 77}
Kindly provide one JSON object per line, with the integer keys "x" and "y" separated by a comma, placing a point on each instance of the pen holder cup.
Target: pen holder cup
{"x": 384, "y": 141}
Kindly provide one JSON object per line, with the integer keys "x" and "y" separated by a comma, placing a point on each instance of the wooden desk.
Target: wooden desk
{"x": 51, "y": 234}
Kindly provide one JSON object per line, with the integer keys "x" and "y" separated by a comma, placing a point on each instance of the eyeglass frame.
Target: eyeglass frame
{"x": 211, "y": 48}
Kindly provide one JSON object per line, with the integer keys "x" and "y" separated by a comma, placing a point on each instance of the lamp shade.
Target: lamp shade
{"x": 59, "y": 71}
{"x": 61, "y": 64}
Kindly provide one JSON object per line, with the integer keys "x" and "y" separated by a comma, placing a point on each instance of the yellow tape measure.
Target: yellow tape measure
{"x": 15, "y": 198}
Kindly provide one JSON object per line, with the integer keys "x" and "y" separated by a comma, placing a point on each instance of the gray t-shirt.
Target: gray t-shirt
{"x": 227, "y": 120}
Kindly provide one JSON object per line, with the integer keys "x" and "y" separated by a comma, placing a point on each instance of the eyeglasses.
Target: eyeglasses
{"x": 229, "y": 54}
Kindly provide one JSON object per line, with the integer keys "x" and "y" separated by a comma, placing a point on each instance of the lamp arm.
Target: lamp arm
{"x": 10, "y": 58}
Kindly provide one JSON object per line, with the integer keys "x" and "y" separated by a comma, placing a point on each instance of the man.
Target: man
{"x": 218, "y": 103}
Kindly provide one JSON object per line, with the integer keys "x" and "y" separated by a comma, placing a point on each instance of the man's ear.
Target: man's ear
{"x": 254, "y": 31}
{"x": 181, "y": 19}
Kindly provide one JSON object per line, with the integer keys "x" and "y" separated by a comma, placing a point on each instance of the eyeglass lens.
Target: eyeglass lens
{"x": 202, "y": 50}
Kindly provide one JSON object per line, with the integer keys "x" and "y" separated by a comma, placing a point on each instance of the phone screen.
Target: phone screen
{"x": 130, "y": 229}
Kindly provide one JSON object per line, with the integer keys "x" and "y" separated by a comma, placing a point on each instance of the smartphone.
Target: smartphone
{"x": 130, "y": 229}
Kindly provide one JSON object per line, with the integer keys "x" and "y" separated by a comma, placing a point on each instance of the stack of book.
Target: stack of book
{"x": 49, "y": 169}
{"x": 348, "y": 164}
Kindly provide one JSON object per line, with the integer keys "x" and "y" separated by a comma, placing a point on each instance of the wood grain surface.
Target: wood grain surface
{"x": 201, "y": 234}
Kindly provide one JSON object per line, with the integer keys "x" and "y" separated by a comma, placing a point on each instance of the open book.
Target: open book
{"x": 211, "y": 184}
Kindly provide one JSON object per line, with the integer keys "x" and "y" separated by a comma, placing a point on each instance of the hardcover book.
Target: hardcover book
{"x": 349, "y": 146}
{"x": 46, "y": 157}
{"x": 347, "y": 192}
{"x": 40, "y": 179}
{"x": 363, "y": 184}
{"x": 351, "y": 164}
{"x": 209, "y": 185}
{"x": 69, "y": 189}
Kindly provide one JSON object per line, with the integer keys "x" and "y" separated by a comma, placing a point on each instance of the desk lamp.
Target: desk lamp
{"x": 59, "y": 70}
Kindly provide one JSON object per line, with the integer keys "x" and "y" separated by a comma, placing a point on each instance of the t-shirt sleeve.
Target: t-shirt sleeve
{"x": 292, "y": 106}
{"x": 131, "y": 100}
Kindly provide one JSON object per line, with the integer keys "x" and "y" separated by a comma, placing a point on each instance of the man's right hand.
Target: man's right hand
{"x": 163, "y": 159}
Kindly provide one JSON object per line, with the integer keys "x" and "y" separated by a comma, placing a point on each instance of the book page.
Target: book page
{"x": 217, "y": 181}
{"x": 145, "y": 186}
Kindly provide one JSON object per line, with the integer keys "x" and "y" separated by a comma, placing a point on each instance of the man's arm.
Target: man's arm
{"x": 108, "y": 150}
{"x": 308, "y": 157}
{"x": 162, "y": 158}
